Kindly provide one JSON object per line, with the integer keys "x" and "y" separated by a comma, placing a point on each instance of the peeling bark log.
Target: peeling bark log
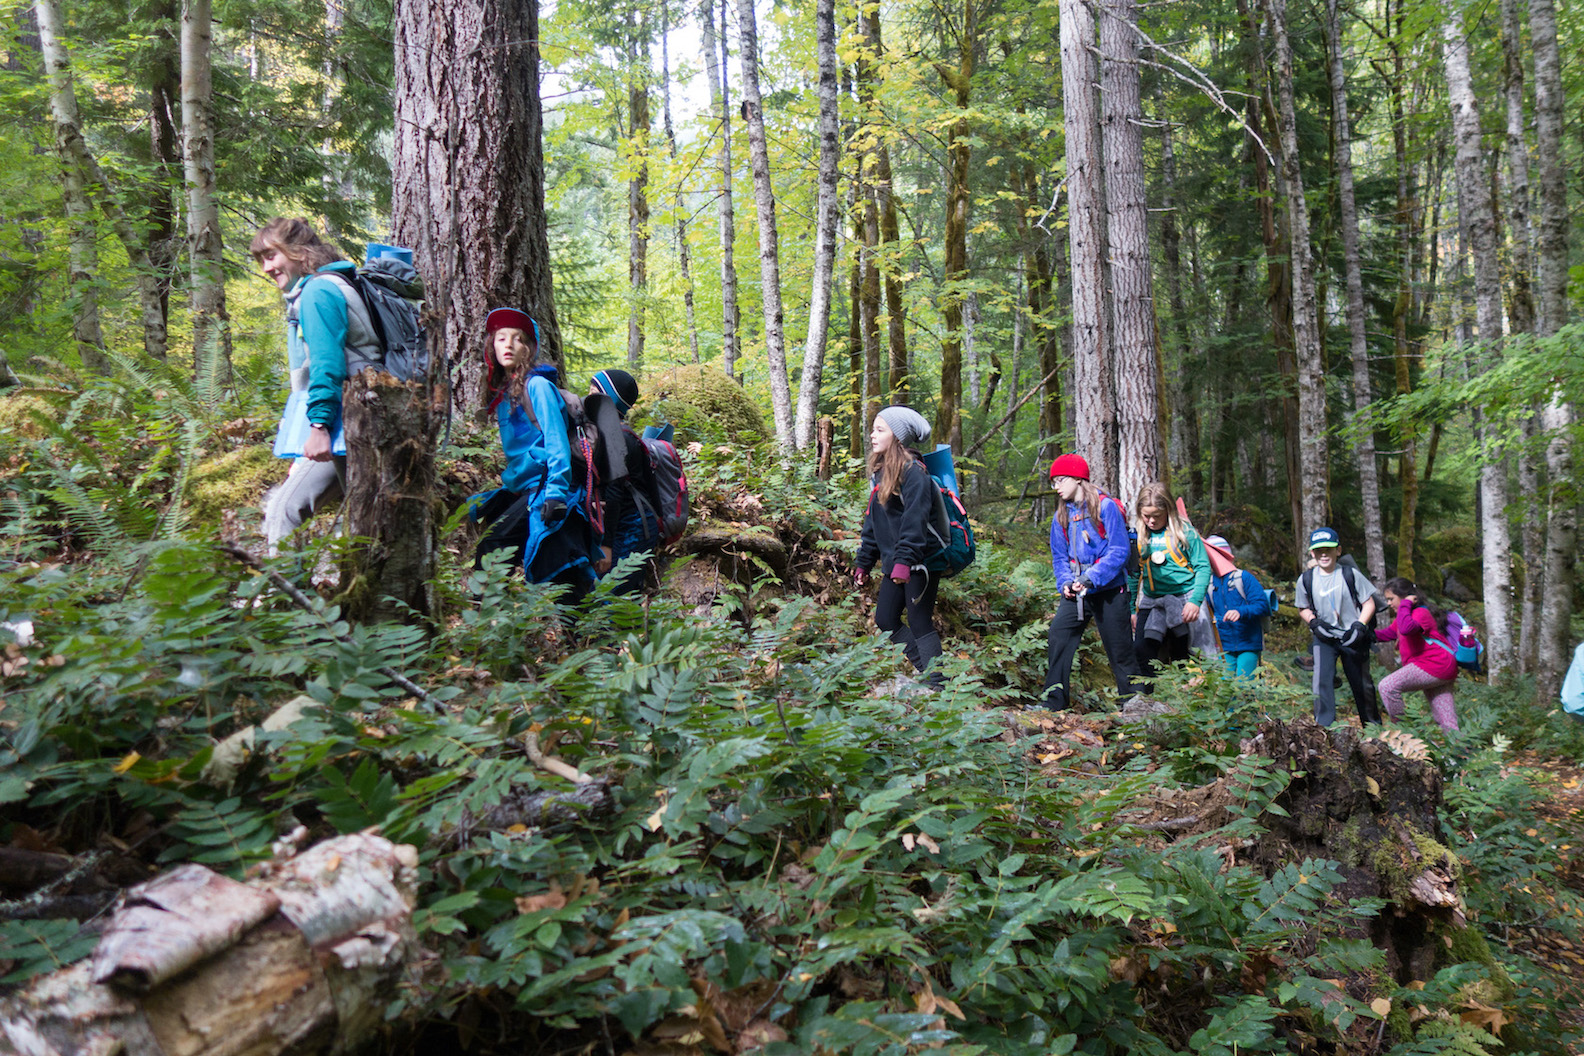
{"x": 721, "y": 541}
{"x": 541, "y": 809}
{"x": 303, "y": 978}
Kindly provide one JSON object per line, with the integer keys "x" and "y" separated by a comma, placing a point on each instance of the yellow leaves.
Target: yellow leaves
{"x": 1531, "y": 833}
{"x": 1373, "y": 786}
{"x": 1381, "y": 1006}
{"x": 1479, "y": 1014}
{"x": 127, "y": 762}
{"x": 653, "y": 821}
{"x": 919, "y": 839}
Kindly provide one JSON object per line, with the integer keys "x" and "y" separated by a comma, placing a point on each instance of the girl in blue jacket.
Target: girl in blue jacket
{"x": 540, "y": 509}
{"x": 1240, "y": 605}
{"x": 1089, "y": 554}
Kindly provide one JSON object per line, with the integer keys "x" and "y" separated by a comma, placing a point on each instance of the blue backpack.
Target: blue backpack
{"x": 951, "y": 528}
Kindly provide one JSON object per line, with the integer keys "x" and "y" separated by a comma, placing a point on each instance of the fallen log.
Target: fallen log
{"x": 194, "y": 964}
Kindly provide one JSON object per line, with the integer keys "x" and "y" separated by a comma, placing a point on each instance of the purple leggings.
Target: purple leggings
{"x": 1436, "y": 690}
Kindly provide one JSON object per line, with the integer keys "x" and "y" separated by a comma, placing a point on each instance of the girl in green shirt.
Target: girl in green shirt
{"x": 1174, "y": 575}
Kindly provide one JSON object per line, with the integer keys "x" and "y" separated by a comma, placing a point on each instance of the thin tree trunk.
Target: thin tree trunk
{"x": 160, "y": 242}
{"x": 855, "y": 337}
{"x": 1094, "y": 430}
{"x": 869, "y": 309}
{"x": 205, "y": 250}
{"x": 1278, "y": 289}
{"x": 827, "y": 220}
{"x": 1407, "y": 470}
{"x": 1479, "y": 220}
{"x": 1140, "y": 449}
{"x": 684, "y": 255}
{"x": 1358, "y": 342}
{"x": 890, "y": 230}
{"x": 1306, "y": 321}
{"x": 1558, "y": 417}
{"x": 79, "y": 165}
{"x": 948, "y": 418}
{"x": 769, "y": 240}
{"x": 468, "y": 171}
{"x": 637, "y": 213}
{"x": 720, "y": 102}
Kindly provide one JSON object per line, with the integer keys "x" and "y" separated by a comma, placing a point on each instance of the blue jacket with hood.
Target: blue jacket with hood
{"x": 1080, "y": 553}
{"x": 1247, "y": 633}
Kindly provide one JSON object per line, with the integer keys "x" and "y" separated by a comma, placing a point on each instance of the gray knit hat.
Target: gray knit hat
{"x": 907, "y": 425}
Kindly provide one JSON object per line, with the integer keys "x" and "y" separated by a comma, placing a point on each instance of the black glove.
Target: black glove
{"x": 1357, "y": 637}
{"x": 1325, "y": 631}
{"x": 553, "y": 512}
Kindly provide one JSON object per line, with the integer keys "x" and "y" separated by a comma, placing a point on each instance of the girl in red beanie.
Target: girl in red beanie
{"x": 1089, "y": 554}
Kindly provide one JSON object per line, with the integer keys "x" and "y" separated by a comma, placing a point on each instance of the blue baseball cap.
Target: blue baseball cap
{"x": 1323, "y": 537}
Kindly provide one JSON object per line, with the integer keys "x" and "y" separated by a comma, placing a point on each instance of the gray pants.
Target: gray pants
{"x": 293, "y": 500}
{"x": 1356, "y": 666}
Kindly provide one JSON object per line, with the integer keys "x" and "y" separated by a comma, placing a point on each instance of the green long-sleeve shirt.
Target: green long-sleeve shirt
{"x": 1167, "y": 577}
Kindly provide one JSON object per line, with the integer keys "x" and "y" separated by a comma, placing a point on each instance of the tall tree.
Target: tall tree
{"x": 1358, "y": 340}
{"x": 1312, "y": 459}
{"x": 1477, "y": 212}
{"x": 1183, "y": 449}
{"x": 205, "y": 248}
{"x": 769, "y": 238}
{"x": 469, "y": 170}
{"x": 684, "y": 254}
{"x": 637, "y": 149}
{"x": 890, "y": 232}
{"x": 1094, "y": 428}
{"x": 948, "y": 420}
{"x": 1141, "y": 454}
{"x": 720, "y": 101}
{"x": 827, "y": 221}
{"x": 1558, "y": 417}
{"x": 1403, "y": 307}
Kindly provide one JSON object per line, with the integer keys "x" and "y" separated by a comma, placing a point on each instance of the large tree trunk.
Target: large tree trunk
{"x": 390, "y": 433}
{"x": 827, "y": 218}
{"x": 856, "y": 437}
{"x": 469, "y": 171}
{"x": 1094, "y": 430}
{"x": 948, "y": 417}
{"x": 164, "y": 88}
{"x": 205, "y": 249}
{"x": 637, "y": 218}
{"x": 302, "y": 960}
{"x": 769, "y": 238}
{"x": 684, "y": 254}
{"x": 720, "y": 102}
{"x": 1141, "y": 456}
{"x": 1479, "y": 220}
{"x": 1183, "y": 445}
{"x": 1312, "y": 446}
{"x": 1556, "y": 609}
{"x": 1358, "y": 341}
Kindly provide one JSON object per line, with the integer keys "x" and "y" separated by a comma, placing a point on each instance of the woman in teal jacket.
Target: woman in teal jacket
{"x": 323, "y": 324}
{"x": 540, "y": 509}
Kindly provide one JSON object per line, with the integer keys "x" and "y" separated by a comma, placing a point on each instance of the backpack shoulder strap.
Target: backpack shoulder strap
{"x": 1235, "y": 578}
{"x": 1307, "y": 579}
{"x": 1347, "y": 577}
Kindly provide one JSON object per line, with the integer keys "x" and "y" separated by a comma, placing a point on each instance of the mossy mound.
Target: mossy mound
{"x": 234, "y": 480}
{"x": 1455, "y": 551}
{"x": 704, "y": 405}
{"x": 17, "y": 414}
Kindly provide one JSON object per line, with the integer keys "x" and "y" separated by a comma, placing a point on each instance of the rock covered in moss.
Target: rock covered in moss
{"x": 17, "y": 414}
{"x": 234, "y": 480}
{"x": 703, "y": 403}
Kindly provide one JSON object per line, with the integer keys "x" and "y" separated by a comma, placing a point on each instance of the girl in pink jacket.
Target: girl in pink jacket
{"x": 1429, "y": 662}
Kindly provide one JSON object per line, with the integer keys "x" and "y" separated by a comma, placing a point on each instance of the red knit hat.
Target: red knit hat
{"x": 1070, "y": 466}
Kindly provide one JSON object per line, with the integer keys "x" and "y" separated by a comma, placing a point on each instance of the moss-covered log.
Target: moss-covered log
{"x": 390, "y": 430}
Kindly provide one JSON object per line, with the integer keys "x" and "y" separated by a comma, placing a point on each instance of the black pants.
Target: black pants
{"x": 1109, "y": 610}
{"x": 509, "y": 531}
{"x": 1356, "y": 666}
{"x": 1171, "y": 648}
{"x": 917, "y": 595}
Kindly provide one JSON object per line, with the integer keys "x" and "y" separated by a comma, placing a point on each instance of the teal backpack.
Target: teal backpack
{"x": 951, "y": 526}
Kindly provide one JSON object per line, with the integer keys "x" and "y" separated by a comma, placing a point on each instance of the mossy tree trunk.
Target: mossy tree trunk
{"x": 390, "y": 431}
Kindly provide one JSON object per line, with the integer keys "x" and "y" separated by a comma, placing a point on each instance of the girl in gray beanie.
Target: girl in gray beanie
{"x": 901, "y": 532}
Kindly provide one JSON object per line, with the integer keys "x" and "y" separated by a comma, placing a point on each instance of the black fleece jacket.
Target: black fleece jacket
{"x": 900, "y": 531}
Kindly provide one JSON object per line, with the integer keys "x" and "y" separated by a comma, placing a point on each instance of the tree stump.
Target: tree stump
{"x": 390, "y": 431}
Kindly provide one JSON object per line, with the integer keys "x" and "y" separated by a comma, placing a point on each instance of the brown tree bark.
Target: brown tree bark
{"x": 637, "y": 220}
{"x": 205, "y": 248}
{"x": 1094, "y": 430}
{"x": 948, "y": 418}
{"x": 469, "y": 171}
{"x": 1141, "y": 451}
{"x": 1403, "y": 309}
{"x": 1183, "y": 446}
{"x": 890, "y": 237}
{"x": 684, "y": 253}
{"x": 390, "y": 432}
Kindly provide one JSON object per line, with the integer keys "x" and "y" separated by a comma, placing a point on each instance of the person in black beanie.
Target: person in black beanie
{"x": 900, "y": 531}
{"x": 631, "y": 524}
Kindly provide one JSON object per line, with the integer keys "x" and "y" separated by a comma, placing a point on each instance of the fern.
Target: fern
{"x": 1291, "y": 895}
{"x": 32, "y": 947}
{"x": 225, "y": 833}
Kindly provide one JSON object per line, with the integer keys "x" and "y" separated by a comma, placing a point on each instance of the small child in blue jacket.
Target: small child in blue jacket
{"x": 1240, "y": 603}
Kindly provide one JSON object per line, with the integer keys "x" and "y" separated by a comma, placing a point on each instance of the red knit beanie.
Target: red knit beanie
{"x": 1070, "y": 466}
